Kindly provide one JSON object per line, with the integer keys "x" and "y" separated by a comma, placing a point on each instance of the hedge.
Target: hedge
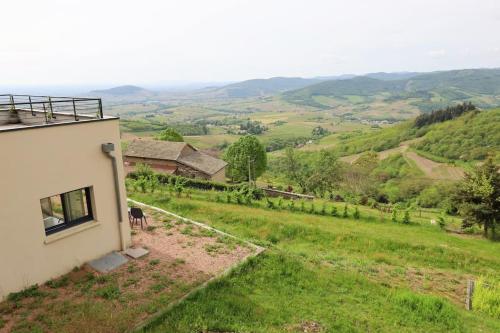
{"x": 191, "y": 182}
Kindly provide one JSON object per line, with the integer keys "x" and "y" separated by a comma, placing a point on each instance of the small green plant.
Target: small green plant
{"x": 334, "y": 211}
{"x": 356, "y": 213}
{"x": 441, "y": 221}
{"x": 228, "y": 197}
{"x": 280, "y": 203}
{"x": 132, "y": 268}
{"x": 32, "y": 291}
{"x": 406, "y": 217}
{"x": 323, "y": 209}
{"x": 154, "y": 262}
{"x": 394, "y": 215}
{"x": 302, "y": 206}
{"x": 109, "y": 292}
{"x": 269, "y": 203}
{"x": 345, "y": 213}
{"x": 312, "y": 209}
{"x": 291, "y": 206}
{"x": 58, "y": 283}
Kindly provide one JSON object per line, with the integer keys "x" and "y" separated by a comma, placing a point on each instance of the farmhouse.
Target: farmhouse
{"x": 63, "y": 195}
{"x": 177, "y": 158}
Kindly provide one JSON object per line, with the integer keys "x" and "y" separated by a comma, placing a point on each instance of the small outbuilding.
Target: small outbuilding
{"x": 178, "y": 158}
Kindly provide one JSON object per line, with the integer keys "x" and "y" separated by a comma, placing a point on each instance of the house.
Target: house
{"x": 62, "y": 189}
{"x": 177, "y": 158}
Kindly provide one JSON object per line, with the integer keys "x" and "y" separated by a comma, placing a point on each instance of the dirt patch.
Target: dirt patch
{"x": 181, "y": 257}
{"x": 447, "y": 284}
{"x": 435, "y": 170}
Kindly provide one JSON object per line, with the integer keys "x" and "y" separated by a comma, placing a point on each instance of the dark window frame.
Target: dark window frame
{"x": 72, "y": 223}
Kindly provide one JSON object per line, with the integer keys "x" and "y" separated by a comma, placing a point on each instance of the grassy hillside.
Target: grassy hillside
{"x": 333, "y": 274}
{"x": 426, "y": 91}
{"x": 472, "y": 136}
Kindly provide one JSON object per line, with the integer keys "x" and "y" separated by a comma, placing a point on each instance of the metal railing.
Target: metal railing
{"x": 52, "y": 108}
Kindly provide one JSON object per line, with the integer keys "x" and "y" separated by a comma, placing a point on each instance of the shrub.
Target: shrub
{"x": 142, "y": 169}
{"x": 323, "y": 209}
{"x": 441, "y": 221}
{"x": 312, "y": 209}
{"x": 394, "y": 215}
{"x": 269, "y": 203}
{"x": 166, "y": 179}
{"x": 334, "y": 211}
{"x": 356, "y": 214}
{"x": 345, "y": 213}
{"x": 406, "y": 217}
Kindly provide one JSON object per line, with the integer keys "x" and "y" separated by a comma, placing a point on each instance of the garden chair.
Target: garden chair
{"x": 136, "y": 215}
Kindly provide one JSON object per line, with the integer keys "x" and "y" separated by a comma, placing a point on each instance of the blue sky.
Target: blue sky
{"x": 147, "y": 42}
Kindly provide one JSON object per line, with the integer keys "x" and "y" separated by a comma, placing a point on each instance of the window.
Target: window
{"x": 66, "y": 210}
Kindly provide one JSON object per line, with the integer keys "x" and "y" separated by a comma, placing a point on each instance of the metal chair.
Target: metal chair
{"x": 136, "y": 215}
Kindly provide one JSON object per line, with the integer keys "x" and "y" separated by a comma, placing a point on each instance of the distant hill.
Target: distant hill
{"x": 122, "y": 91}
{"x": 426, "y": 91}
{"x": 392, "y": 76}
{"x": 262, "y": 87}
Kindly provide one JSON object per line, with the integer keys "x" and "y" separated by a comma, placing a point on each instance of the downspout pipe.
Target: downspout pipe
{"x": 108, "y": 149}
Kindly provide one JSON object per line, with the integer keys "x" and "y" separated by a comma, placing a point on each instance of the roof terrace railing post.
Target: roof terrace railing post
{"x": 12, "y": 104}
{"x": 45, "y": 113}
{"x": 74, "y": 110}
{"x": 51, "y": 109}
{"x": 100, "y": 109}
{"x": 31, "y": 107}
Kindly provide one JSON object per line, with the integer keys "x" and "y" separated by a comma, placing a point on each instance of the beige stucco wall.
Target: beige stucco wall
{"x": 41, "y": 162}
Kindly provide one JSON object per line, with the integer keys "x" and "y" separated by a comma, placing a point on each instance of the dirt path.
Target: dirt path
{"x": 433, "y": 170}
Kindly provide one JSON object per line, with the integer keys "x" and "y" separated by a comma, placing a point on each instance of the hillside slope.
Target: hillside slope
{"x": 470, "y": 137}
{"x": 426, "y": 91}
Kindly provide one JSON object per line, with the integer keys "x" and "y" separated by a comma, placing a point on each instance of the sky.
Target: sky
{"x": 109, "y": 42}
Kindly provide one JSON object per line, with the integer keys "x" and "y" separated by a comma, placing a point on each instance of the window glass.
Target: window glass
{"x": 65, "y": 210}
{"x": 76, "y": 204}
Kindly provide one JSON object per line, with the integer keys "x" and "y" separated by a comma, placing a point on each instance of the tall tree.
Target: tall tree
{"x": 478, "y": 196}
{"x": 246, "y": 158}
{"x": 169, "y": 135}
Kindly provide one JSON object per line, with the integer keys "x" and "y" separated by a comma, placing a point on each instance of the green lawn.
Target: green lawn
{"x": 342, "y": 274}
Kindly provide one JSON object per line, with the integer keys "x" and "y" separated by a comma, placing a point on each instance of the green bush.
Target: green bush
{"x": 356, "y": 214}
{"x": 200, "y": 184}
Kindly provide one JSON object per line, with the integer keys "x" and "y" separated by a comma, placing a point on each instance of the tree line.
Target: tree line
{"x": 441, "y": 115}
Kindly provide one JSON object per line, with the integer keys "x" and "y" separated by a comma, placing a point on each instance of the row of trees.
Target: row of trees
{"x": 441, "y": 115}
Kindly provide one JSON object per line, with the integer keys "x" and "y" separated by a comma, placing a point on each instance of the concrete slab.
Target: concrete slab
{"x": 109, "y": 262}
{"x": 136, "y": 253}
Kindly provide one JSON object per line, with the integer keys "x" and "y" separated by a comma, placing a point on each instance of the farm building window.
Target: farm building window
{"x": 66, "y": 210}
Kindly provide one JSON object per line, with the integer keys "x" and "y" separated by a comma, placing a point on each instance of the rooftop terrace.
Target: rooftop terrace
{"x": 24, "y": 111}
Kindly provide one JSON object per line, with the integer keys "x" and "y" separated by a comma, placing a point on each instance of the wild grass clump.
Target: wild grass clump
{"x": 486, "y": 297}
{"x": 32, "y": 291}
{"x": 415, "y": 309}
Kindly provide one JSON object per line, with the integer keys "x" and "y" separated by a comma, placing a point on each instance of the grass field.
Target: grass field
{"x": 331, "y": 274}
